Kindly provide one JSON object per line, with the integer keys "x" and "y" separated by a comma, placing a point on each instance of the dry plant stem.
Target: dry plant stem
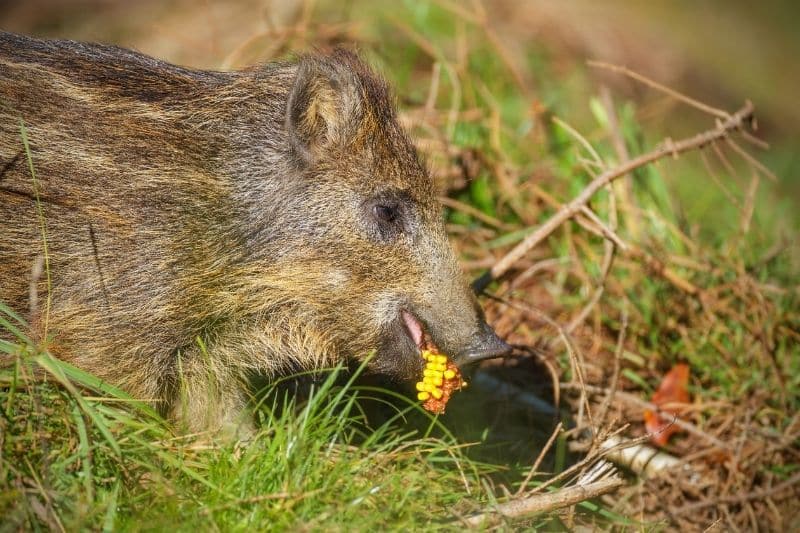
{"x": 752, "y": 160}
{"x": 662, "y": 88}
{"x": 33, "y": 292}
{"x": 582, "y": 140}
{"x": 662, "y": 270}
{"x": 612, "y": 240}
{"x": 725, "y": 162}
{"x": 546, "y": 502}
{"x": 605, "y": 230}
{"x": 718, "y": 182}
{"x": 601, "y": 416}
{"x": 578, "y": 365}
{"x": 472, "y": 211}
{"x": 581, "y": 316}
{"x": 594, "y": 453}
{"x": 480, "y": 19}
{"x": 624, "y": 187}
{"x": 540, "y": 458}
{"x": 734, "y": 122}
{"x": 749, "y": 205}
{"x": 433, "y": 91}
{"x": 635, "y": 400}
{"x": 740, "y": 498}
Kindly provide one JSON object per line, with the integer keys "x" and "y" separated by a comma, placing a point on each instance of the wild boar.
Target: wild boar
{"x": 201, "y": 228}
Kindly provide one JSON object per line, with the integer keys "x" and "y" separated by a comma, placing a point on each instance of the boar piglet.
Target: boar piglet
{"x": 203, "y": 228}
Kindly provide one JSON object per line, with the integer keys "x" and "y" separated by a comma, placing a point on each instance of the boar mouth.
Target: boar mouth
{"x": 414, "y": 328}
{"x": 486, "y": 345}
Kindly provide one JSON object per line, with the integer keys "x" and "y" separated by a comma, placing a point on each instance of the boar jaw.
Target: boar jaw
{"x": 484, "y": 343}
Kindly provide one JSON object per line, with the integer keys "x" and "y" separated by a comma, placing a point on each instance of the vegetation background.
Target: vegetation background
{"x": 495, "y": 93}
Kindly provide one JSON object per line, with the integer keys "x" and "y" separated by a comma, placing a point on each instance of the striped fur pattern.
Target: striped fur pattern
{"x": 207, "y": 227}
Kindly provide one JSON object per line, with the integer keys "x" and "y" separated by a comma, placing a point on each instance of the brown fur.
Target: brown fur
{"x": 236, "y": 208}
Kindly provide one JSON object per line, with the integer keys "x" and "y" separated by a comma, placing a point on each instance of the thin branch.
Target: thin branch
{"x": 615, "y": 373}
{"x": 540, "y": 458}
{"x": 643, "y": 404}
{"x": 721, "y": 113}
{"x": 718, "y": 182}
{"x": 752, "y": 160}
{"x": 624, "y": 187}
{"x": 740, "y": 498}
{"x": 584, "y": 312}
{"x": 473, "y": 212}
{"x": 605, "y": 230}
{"x": 662, "y": 270}
{"x": 735, "y": 122}
{"x": 541, "y": 503}
{"x": 582, "y": 140}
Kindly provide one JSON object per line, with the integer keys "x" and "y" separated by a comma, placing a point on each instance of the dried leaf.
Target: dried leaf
{"x": 672, "y": 391}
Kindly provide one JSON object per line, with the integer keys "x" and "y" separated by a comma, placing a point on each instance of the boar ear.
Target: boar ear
{"x": 323, "y": 108}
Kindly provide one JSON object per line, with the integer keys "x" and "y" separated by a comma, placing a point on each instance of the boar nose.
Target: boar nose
{"x": 485, "y": 344}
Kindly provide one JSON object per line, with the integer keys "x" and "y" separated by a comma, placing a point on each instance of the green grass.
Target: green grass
{"x": 80, "y": 454}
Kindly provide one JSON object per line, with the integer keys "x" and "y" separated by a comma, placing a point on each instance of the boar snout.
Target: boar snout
{"x": 483, "y": 344}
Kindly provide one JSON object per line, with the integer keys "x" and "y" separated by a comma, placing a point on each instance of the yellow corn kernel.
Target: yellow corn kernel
{"x": 428, "y": 372}
{"x": 437, "y": 393}
{"x": 420, "y": 386}
{"x": 441, "y": 359}
{"x": 441, "y": 368}
{"x": 422, "y": 396}
{"x": 438, "y": 381}
{"x": 449, "y": 374}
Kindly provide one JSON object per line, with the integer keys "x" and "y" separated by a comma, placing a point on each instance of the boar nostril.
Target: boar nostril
{"x": 485, "y": 345}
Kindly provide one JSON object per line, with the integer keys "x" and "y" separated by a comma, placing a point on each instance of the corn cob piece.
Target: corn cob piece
{"x": 440, "y": 378}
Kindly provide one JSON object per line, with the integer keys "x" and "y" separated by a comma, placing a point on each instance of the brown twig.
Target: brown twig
{"x": 540, "y": 458}
{"x": 721, "y": 113}
{"x": 603, "y": 411}
{"x": 658, "y": 267}
{"x": 635, "y": 400}
{"x": 752, "y": 160}
{"x": 740, "y": 498}
{"x": 607, "y": 231}
{"x": 624, "y": 187}
{"x": 718, "y": 182}
{"x": 734, "y": 122}
{"x": 540, "y": 503}
{"x": 473, "y": 212}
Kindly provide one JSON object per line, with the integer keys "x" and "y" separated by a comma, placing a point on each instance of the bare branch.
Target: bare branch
{"x": 734, "y": 122}
{"x": 721, "y": 113}
{"x": 541, "y": 503}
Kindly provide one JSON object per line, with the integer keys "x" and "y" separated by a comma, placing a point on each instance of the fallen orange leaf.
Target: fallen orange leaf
{"x": 673, "y": 390}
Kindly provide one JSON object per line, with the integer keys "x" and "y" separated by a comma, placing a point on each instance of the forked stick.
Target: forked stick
{"x": 742, "y": 117}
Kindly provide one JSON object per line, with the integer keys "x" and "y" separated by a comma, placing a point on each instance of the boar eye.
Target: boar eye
{"x": 385, "y": 213}
{"x": 387, "y": 216}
